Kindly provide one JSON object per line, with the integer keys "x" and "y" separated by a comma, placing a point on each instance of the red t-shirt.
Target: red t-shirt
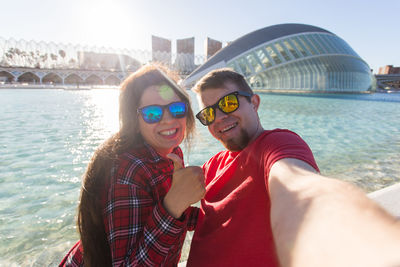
{"x": 234, "y": 228}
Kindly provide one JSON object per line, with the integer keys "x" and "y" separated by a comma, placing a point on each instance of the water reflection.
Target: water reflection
{"x": 50, "y": 135}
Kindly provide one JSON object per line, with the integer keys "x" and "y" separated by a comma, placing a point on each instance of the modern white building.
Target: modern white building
{"x": 293, "y": 58}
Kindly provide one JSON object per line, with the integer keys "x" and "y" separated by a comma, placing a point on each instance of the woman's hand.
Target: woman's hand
{"x": 187, "y": 187}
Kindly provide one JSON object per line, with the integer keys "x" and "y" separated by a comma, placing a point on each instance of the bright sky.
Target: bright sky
{"x": 371, "y": 27}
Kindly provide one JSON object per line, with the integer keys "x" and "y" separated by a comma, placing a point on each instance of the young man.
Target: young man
{"x": 266, "y": 203}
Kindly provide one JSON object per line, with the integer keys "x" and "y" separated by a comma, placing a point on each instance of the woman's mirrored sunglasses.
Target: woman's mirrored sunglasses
{"x": 154, "y": 113}
{"x": 227, "y": 104}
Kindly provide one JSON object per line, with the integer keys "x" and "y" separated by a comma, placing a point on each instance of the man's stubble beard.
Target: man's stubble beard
{"x": 239, "y": 143}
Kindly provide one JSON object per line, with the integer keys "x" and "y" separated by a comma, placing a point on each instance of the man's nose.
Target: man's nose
{"x": 219, "y": 115}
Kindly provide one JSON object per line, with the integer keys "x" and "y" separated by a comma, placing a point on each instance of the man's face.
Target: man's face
{"x": 237, "y": 129}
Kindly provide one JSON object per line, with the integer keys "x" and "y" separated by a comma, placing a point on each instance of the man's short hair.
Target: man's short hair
{"x": 218, "y": 79}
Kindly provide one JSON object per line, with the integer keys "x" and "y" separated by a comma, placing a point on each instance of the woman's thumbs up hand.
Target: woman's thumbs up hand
{"x": 187, "y": 187}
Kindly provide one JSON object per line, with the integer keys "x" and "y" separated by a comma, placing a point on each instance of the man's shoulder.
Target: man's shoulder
{"x": 277, "y": 132}
{"x": 265, "y": 138}
{"x": 275, "y": 136}
{"x": 217, "y": 157}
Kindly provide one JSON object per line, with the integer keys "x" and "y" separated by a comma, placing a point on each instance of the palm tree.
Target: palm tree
{"x": 62, "y": 54}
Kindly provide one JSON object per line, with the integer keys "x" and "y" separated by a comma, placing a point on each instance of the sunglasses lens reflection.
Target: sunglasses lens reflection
{"x": 207, "y": 116}
{"x": 178, "y": 109}
{"x": 229, "y": 103}
{"x": 152, "y": 114}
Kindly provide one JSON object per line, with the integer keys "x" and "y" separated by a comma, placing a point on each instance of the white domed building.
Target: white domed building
{"x": 293, "y": 58}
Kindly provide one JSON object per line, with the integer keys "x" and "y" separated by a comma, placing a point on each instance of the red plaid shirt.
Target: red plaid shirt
{"x": 140, "y": 231}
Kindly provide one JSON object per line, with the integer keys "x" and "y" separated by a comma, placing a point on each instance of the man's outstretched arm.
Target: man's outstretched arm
{"x": 320, "y": 221}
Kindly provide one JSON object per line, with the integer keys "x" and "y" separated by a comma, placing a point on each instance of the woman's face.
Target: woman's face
{"x": 168, "y": 133}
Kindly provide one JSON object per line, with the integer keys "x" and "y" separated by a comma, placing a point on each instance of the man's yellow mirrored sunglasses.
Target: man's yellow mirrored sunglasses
{"x": 227, "y": 104}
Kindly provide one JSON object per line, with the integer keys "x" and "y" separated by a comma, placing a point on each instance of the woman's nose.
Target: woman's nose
{"x": 167, "y": 116}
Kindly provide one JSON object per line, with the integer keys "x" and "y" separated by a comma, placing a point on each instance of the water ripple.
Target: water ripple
{"x": 48, "y": 136}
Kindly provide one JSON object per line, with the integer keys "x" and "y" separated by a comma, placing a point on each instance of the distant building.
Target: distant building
{"x": 107, "y": 61}
{"x": 389, "y": 69}
{"x": 388, "y": 78}
{"x": 185, "y": 46}
{"x": 292, "y": 58}
{"x": 161, "y": 50}
{"x": 184, "y": 61}
{"x": 211, "y": 47}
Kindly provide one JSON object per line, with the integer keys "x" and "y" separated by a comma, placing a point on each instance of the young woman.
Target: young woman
{"x": 135, "y": 199}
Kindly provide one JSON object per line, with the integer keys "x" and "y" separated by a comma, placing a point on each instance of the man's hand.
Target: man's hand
{"x": 187, "y": 187}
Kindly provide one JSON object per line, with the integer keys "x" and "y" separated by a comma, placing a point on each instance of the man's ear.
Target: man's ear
{"x": 255, "y": 101}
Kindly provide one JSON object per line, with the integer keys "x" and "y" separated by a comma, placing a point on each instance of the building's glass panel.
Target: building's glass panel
{"x": 295, "y": 74}
{"x": 311, "y": 43}
{"x": 346, "y": 47}
{"x": 346, "y": 80}
{"x": 242, "y": 62}
{"x": 324, "y": 39}
{"x": 263, "y": 58}
{"x": 297, "y": 81}
{"x": 273, "y": 55}
{"x": 286, "y": 77}
{"x": 320, "y": 75}
{"x": 317, "y": 43}
{"x": 292, "y": 77}
{"x": 333, "y": 42}
{"x": 291, "y": 49}
{"x": 338, "y": 81}
{"x": 342, "y": 81}
{"x": 280, "y": 78}
{"x": 291, "y": 57}
{"x": 277, "y": 53}
{"x": 320, "y": 47}
{"x": 254, "y": 63}
{"x": 274, "y": 79}
{"x": 338, "y": 77}
{"x": 309, "y": 46}
{"x": 320, "y": 78}
{"x": 323, "y": 73}
{"x": 299, "y": 45}
{"x": 302, "y": 78}
{"x": 309, "y": 76}
{"x": 234, "y": 66}
{"x": 265, "y": 80}
{"x": 317, "y": 75}
{"x": 327, "y": 44}
{"x": 339, "y": 46}
{"x": 256, "y": 81}
{"x": 282, "y": 51}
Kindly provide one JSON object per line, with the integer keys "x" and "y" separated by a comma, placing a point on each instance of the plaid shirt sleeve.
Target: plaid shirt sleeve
{"x": 192, "y": 213}
{"x": 74, "y": 257}
{"x": 140, "y": 231}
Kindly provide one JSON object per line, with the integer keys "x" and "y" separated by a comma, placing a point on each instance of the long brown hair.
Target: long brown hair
{"x": 96, "y": 179}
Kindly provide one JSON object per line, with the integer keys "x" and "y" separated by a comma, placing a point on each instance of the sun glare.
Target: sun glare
{"x": 105, "y": 104}
{"x": 106, "y": 22}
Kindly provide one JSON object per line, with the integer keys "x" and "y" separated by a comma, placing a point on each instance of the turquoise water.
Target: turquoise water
{"x": 48, "y": 136}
